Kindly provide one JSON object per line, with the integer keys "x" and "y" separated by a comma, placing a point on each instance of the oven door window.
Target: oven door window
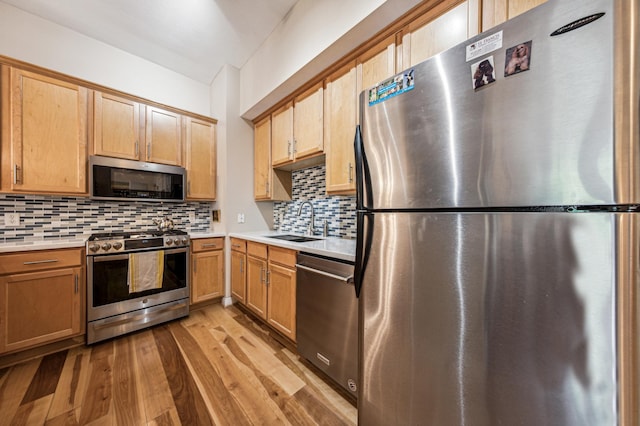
{"x": 110, "y": 277}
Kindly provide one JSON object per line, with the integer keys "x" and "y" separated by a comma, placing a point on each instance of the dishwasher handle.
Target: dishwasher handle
{"x": 348, "y": 279}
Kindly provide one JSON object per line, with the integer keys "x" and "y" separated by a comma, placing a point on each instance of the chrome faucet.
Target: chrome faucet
{"x": 310, "y": 229}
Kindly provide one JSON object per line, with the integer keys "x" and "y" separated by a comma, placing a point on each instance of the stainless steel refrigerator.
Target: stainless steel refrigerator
{"x": 497, "y": 250}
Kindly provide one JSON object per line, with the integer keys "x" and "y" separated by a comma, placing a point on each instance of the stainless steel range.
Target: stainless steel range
{"x": 135, "y": 280}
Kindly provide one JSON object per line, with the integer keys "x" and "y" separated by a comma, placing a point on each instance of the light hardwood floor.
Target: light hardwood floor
{"x": 214, "y": 367}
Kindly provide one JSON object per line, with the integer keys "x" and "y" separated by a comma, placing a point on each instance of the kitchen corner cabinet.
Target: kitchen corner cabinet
{"x": 495, "y": 12}
{"x": 42, "y": 297}
{"x": 207, "y": 269}
{"x": 163, "y": 136}
{"x": 297, "y": 128}
{"x": 268, "y": 184}
{"x": 44, "y": 122}
{"x": 271, "y": 286}
{"x": 200, "y": 161}
{"x": 438, "y": 30}
{"x": 116, "y": 126}
{"x": 340, "y": 109}
{"x": 239, "y": 270}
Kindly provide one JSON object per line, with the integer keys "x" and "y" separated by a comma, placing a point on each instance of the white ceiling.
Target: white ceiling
{"x": 192, "y": 37}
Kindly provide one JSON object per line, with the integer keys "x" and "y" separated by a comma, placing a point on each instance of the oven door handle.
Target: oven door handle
{"x": 110, "y": 257}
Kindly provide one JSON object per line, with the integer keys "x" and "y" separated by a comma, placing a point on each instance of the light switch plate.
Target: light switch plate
{"x": 12, "y": 219}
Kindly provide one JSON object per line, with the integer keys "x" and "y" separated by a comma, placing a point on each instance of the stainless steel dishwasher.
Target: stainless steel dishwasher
{"x": 327, "y": 318}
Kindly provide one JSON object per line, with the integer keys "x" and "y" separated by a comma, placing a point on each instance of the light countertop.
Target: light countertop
{"x": 337, "y": 248}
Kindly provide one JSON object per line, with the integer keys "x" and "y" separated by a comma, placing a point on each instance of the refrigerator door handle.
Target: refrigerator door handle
{"x": 364, "y": 235}
{"x": 363, "y": 176}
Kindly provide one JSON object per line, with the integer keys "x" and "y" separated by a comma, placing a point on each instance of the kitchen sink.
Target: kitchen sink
{"x": 293, "y": 238}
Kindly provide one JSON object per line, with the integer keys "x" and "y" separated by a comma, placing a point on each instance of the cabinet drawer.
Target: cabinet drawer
{"x": 238, "y": 245}
{"x": 284, "y": 257}
{"x": 207, "y": 244}
{"x": 257, "y": 250}
{"x": 39, "y": 260}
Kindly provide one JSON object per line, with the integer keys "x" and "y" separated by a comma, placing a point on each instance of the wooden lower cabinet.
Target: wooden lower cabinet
{"x": 239, "y": 270}
{"x": 41, "y": 297}
{"x": 271, "y": 286}
{"x": 207, "y": 269}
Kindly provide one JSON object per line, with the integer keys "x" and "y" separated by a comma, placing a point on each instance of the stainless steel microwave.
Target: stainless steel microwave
{"x": 119, "y": 179}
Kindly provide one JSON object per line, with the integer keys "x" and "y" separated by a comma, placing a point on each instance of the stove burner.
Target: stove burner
{"x": 120, "y": 235}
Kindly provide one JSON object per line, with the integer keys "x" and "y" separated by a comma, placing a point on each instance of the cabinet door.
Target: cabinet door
{"x": 430, "y": 35}
{"x": 207, "y": 279}
{"x": 256, "y": 286}
{"x": 268, "y": 184}
{"x": 44, "y": 147}
{"x": 340, "y": 126}
{"x": 307, "y": 124}
{"x": 282, "y": 136}
{"x": 163, "y": 136}
{"x": 495, "y": 12}
{"x": 200, "y": 146}
{"x": 40, "y": 307}
{"x": 281, "y": 284}
{"x": 239, "y": 276}
{"x": 116, "y": 126}
{"x": 378, "y": 64}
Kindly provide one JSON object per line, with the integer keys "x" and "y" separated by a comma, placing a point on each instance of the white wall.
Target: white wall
{"x": 31, "y": 39}
{"x": 313, "y": 36}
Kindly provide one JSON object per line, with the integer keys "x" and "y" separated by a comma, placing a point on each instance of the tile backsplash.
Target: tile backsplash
{"x": 309, "y": 185}
{"x": 50, "y": 218}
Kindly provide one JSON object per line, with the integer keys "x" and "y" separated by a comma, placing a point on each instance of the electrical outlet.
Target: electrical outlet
{"x": 192, "y": 217}
{"x": 240, "y": 217}
{"x": 12, "y": 219}
{"x": 215, "y": 215}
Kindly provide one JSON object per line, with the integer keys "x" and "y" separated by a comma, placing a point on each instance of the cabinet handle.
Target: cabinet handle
{"x": 241, "y": 266}
{"x": 261, "y": 274}
{"x": 210, "y": 245}
{"x": 195, "y": 265}
{"x": 15, "y": 174}
{"x": 350, "y": 173}
{"x": 37, "y": 262}
{"x": 295, "y": 144}
{"x": 137, "y": 150}
{"x": 76, "y": 284}
{"x": 268, "y": 281}
{"x": 148, "y": 150}
{"x": 189, "y": 187}
{"x": 267, "y": 187}
{"x": 289, "y": 148}
{"x": 235, "y": 245}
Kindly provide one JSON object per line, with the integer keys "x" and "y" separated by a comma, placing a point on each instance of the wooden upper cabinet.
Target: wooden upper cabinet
{"x": 495, "y": 12}
{"x": 377, "y": 64}
{"x": 307, "y": 123}
{"x": 268, "y": 184}
{"x": 340, "y": 108}
{"x": 116, "y": 126}
{"x": 44, "y": 122}
{"x": 163, "y": 136}
{"x": 282, "y": 135}
{"x": 200, "y": 148}
{"x": 438, "y": 30}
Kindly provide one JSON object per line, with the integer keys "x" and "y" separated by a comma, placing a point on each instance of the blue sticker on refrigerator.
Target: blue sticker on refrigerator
{"x": 394, "y": 86}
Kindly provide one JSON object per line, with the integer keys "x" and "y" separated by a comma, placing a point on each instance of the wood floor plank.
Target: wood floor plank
{"x": 243, "y": 387}
{"x": 188, "y": 401}
{"x": 14, "y": 387}
{"x": 33, "y": 412}
{"x": 126, "y": 394}
{"x": 317, "y": 409}
{"x": 74, "y": 378}
{"x": 156, "y": 393}
{"x": 46, "y": 378}
{"x": 168, "y": 418}
{"x": 70, "y": 418}
{"x": 97, "y": 400}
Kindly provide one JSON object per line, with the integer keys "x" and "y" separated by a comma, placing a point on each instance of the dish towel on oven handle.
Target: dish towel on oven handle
{"x": 145, "y": 270}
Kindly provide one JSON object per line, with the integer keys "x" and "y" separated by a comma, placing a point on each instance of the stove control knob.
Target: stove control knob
{"x": 177, "y": 241}
{"x": 94, "y": 247}
{"x": 184, "y": 241}
{"x": 117, "y": 245}
{"x": 106, "y": 246}
{"x": 169, "y": 241}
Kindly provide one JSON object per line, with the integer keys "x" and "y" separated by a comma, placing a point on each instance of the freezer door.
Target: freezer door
{"x": 489, "y": 319}
{"x": 541, "y": 136}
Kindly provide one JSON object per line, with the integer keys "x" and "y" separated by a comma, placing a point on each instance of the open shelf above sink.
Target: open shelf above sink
{"x": 293, "y": 238}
